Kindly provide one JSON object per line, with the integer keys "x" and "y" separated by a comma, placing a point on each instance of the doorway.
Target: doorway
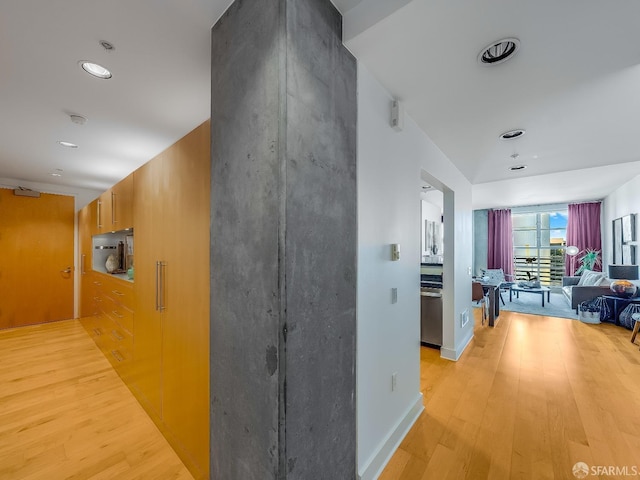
{"x": 36, "y": 268}
{"x": 431, "y": 265}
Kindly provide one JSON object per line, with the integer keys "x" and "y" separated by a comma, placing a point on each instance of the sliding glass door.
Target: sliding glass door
{"x": 539, "y": 240}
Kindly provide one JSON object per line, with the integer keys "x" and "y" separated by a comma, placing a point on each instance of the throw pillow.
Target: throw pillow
{"x": 590, "y": 279}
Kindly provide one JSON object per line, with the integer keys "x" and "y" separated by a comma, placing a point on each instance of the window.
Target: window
{"x": 539, "y": 240}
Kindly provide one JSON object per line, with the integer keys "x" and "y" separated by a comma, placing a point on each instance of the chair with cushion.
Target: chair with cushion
{"x": 496, "y": 276}
{"x": 479, "y": 296}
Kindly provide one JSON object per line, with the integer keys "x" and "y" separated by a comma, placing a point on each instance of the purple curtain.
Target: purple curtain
{"x": 500, "y": 254}
{"x": 583, "y": 230}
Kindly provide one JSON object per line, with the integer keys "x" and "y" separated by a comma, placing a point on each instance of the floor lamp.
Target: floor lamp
{"x": 572, "y": 251}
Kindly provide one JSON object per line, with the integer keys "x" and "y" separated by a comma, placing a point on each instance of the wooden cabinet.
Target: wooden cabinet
{"x": 155, "y": 330}
{"x": 122, "y": 204}
{"x": 111, "y": 326}
{"x": 114, "y": 208}
{"x": 103, "y": 212}
{"x": 87, "y": 293}
{"x": 171, "y": 291}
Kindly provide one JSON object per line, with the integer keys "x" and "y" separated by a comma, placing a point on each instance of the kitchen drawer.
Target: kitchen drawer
{"x": 120, "y": 351}
{"x": 123, "y": 317}
{"x": 123, "y": 296}
{"x": 98, "y": 330}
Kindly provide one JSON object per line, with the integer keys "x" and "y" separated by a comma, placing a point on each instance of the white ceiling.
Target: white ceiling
{"x": 574, "y": 86}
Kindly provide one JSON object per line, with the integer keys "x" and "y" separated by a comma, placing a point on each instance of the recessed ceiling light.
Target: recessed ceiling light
{"x": 517, "y": 167}
{"x": 511, "y": 134}
{"x": 95, "y": 69}
{"x": 498, "y": 51}
{"x": 56, "y": 173}
{"x": 68, "y": 144}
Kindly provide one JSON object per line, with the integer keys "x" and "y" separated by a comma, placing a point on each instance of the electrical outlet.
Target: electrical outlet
{"x": 394, "y": 381}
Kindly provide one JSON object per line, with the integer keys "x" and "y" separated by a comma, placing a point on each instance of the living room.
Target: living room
{"x": 545, "y": 249}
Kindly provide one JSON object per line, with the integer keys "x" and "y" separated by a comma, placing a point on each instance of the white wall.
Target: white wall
{"x": 389, "y": 166}
{"x": 623, "y": 201}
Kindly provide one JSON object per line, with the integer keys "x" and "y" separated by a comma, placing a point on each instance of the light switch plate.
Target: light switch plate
{"x": 394, "y": 295}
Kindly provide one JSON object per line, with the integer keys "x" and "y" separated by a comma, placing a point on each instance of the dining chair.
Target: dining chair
{"x": 479, "y": 296}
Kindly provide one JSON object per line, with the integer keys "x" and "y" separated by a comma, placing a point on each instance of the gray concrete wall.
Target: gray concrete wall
{"x": 283, "y": 251}
{"x": 480, "y": 240}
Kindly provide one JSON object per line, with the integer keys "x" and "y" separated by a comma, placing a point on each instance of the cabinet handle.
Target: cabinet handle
{"x": 116, "y": 335}
{"x": 113, "y": 207}
{"x": 157, "y": 284}
{"x": 116, "y": 292}
{"x": 97, "y": 332}
{"x": 82, "y": 259}
{"x": 98, "y": 211}
{"x": 66, "y": 270}
{"x": 115, "y": 312}
{"x": 162, "y": 303}
{"x": 160, "y": 286}
{"x": 117, "y": 355}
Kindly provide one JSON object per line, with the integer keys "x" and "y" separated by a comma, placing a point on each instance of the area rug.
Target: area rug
{"x": 531, "y": 303}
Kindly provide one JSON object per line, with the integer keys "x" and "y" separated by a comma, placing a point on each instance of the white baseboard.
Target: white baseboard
{"x": 454, "y": 354}
{"x": 379, "y": 460}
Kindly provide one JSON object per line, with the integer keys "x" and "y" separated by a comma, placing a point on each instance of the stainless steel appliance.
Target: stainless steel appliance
{"x": 431, "y": 305}
{"x": 431, "y": 317}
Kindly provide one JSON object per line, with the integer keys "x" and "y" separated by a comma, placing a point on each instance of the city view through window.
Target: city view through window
{"x": 539, "y": 243}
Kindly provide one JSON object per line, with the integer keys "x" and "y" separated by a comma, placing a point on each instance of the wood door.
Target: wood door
{"x": 185, "y": 367}
{"x": 36, "y": 267}
{"x": 122, "y": 204}
{"x": 147, "y": 334}
{"x": 84, "y": 260}
{"x": 104, "y": 211}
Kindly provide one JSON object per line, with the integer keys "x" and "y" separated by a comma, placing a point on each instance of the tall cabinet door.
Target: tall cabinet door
{"x": 85, "y": 219}
{"x": 185, "y": 365}
{"x": 146, "y": 370}
{"x": 171, "y": 328}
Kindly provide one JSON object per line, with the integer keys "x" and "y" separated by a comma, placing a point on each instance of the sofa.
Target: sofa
{"x": 585, "y": 287}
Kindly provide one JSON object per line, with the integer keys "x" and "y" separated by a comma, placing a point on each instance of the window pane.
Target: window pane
{"x": 524, "y": 238}
{"x": 524, "y": 220}
{"x": 545, "y": 238}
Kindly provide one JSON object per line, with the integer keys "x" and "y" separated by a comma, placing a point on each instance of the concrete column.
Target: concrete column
{"x": 283, "y": 243}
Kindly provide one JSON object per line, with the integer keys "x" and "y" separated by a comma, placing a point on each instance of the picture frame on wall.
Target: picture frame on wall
{"x": 628, "y": 228}
{"x": 617, "y": 240}
{"x": 628, "y": 255}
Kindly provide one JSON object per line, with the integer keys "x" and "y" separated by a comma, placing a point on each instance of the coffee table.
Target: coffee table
{"x": 515, "y": 288}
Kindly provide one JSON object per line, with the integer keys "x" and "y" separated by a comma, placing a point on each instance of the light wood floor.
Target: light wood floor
{"x": 65, "y": 413}
{"x": 528, "y": 399}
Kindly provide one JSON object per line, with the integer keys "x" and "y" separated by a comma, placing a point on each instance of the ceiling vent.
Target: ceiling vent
{"x": 517, "y": 167}
{"x": 511, "y": 134}
{"x": 498, "y": 52}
